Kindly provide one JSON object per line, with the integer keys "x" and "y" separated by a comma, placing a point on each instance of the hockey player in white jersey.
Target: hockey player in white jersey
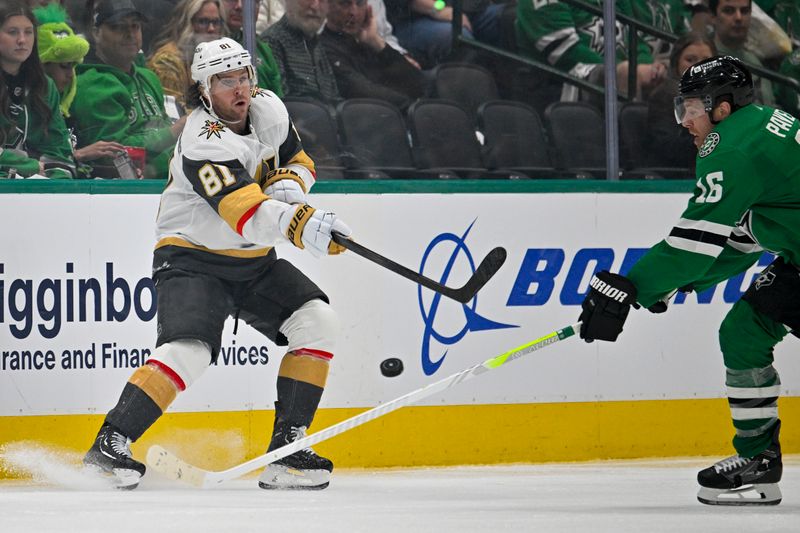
{"x": 237, "y": 187}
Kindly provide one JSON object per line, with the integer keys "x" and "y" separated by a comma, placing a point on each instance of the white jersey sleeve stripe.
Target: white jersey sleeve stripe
{"x": 550, "y": 38}
{"x": 561, "y": 49}
{"x": 703, "y": 225}
{"x": 693, "y": 246}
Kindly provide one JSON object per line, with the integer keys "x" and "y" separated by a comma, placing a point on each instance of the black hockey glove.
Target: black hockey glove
{"x": 606, "y": 306}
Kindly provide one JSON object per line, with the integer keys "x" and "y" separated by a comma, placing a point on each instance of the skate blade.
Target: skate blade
{"x": 280, "y": 477}
{"x": 119, "y": 478}
{"x": 759, "y": 494}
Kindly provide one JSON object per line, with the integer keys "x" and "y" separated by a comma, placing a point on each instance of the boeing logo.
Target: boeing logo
{"x": 472, "y": 320}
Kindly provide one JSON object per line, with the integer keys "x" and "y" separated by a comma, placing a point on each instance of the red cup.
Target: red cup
{"x": 138, "y": 157}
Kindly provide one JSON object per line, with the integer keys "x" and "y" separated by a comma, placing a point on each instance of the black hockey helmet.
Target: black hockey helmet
{"x": 713, "y": 78}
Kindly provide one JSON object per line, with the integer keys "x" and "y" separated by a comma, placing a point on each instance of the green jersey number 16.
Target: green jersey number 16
{"x": 711, "y": 190}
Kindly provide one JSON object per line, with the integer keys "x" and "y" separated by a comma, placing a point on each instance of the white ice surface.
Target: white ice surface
{"x": 619, "y": 497}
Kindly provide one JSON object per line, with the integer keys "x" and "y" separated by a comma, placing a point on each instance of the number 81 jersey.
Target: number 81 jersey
{"x": 746, "y": 200}
{"x": 215, "y": 185}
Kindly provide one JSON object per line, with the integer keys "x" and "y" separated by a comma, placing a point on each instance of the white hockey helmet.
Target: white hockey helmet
{"x": 218, "y": 56}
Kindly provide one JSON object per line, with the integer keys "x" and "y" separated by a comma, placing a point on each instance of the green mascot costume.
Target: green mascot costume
{"x": 59, "y": 44}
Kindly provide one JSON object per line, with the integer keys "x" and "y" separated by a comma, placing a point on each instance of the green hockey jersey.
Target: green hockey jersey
{"x": 787, "y": 97}
{"x": 787, "y": 14}
{"x": 569, "y": 38}
{"x": 746, "y": 200}
{"x": 671, "y": 16}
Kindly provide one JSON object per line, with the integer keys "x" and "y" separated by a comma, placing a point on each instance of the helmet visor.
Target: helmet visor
{"x": 227, "y": 82}
{"x": 689, "y": 108}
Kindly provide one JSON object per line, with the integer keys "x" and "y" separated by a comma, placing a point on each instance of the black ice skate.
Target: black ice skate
{"x": 110, "y": 456}
{"x": 303, "y": 470}
{"x": 744, "y": 481}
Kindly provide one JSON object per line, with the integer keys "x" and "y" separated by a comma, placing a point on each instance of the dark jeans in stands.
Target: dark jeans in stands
{"x": 428, "y": 40}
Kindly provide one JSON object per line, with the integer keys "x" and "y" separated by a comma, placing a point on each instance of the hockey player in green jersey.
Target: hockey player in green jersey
{"x": 746, "y": 201}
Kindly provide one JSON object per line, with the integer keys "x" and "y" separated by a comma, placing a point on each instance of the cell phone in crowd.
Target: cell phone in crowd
{"x": 124, "y": 166}
{"x": 130, "y": 163}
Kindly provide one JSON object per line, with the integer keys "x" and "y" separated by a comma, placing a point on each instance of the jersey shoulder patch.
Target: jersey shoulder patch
{"x": 258, "y": 92}
{"x": 212, "y": 128}
{"x": 711, "y": 142}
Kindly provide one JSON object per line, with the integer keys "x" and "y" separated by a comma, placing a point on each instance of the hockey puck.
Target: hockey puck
{"x": 392, "y": 367}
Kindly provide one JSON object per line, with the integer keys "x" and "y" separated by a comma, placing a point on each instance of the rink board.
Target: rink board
{"x": 75, "y": 295}
{"x": 436, "y": 435}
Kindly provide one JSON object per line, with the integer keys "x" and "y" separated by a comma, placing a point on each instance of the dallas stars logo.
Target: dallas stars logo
{"x": 711, "y": 142}
{"x": 212, "y": 127}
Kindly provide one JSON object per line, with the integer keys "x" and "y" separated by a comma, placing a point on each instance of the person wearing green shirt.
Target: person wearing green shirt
{"x": 118, "y": 100}
{"x": 786, "y": 96}
{"x": 35, "y": 140}
{"x": 746, "y": 201}
{"x": 671, "y": 16}
{"x": 571, "y": 40}
{"x": 787, "y": 14}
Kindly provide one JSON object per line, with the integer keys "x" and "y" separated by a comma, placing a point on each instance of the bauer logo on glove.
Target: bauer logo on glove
{"x": 285, "y": 185}
{"x": 311, "y": 229}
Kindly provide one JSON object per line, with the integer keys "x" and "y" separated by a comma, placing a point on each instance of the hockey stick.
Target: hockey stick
{"x": 173, "y": 467}
{"x": 488, "y": 268}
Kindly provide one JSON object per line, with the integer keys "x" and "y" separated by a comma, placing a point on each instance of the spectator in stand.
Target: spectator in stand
{"x": 121, "y": 101}
{"x": 272, "y": 10}
{"x": 788, "y": 97}
{"x": 269, "y": 13}
{"x": 386, "y": 31}
{"x": 364, "y": 64}
{"x": 267, "y": 70}
{"x": 34, "y": 136}
{"x": 571, "y": 40}
{"x": 424, "y": 27}
{"x": 731, "y": 20}
{"x": 787, "y": 14}
{"x": 671, "y": 145}
{"x": 60, "y": 50}
{"x": 672, "y": 16}
{"x": 192, "y": 22}
{"x": 304, "y": 66}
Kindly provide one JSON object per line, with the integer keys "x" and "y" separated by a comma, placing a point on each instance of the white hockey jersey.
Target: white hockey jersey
{"x": 215, "y": 186}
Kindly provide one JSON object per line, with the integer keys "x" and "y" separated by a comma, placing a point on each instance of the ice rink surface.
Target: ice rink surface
{"x": 619, "y": 496}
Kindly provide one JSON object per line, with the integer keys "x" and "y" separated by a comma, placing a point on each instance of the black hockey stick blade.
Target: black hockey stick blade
{"x": 488, "y": 268}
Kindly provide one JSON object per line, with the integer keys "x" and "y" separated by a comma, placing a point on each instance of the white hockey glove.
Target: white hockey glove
{"x": 310, "y": 229}
{"x": 285, "y": 186}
